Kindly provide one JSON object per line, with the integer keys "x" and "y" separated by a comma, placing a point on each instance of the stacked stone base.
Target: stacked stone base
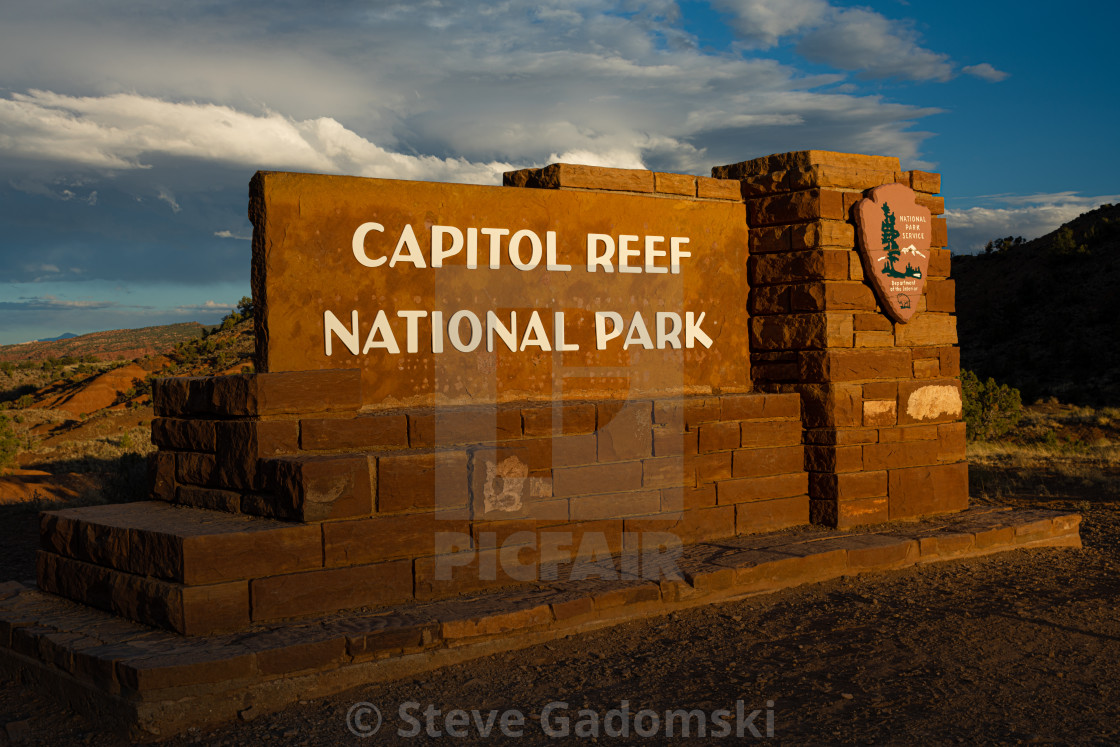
{"x": 272, "y": 510}
{"x": 155, "y": 684}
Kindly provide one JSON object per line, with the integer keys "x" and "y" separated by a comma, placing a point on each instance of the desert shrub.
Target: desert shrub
{"x": 991, "y": 409}
{"x": 9, "y": 443}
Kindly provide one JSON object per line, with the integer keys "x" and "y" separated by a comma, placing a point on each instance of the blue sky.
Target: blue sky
{"x": 129, "y": 130}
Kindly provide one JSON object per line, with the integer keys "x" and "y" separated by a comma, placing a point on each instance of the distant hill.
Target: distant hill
{"x": 1044, "y": 316}
{"x": 63, "y": 336}
{"x": 112, "y": 345}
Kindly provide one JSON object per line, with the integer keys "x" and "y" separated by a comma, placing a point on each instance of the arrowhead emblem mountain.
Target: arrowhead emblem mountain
{"x": 894, "y": 234}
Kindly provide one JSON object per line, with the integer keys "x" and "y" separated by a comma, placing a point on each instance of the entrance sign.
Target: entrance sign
{"x": 446, "y": 294}
{"x": 894, "y": 241}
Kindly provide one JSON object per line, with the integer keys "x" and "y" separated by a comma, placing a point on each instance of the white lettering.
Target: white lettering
{"x": 407, "y": 241}
{"x": 550, "y": 254}
{"x": 692, "y": 331}
{"x": 625, "y": 253}
{"x": 676, "y": 253}
{"x": 558, "y": 333}
{"x": 637, "y": 334}
{"x": 539, "y": 337}
{"x": 358, "y": 245}
{"x": 602, "y": 336}
{"x": 652, "y": 254}
{"x": 494, "y": 326}
{"x": 349, "y": 337}
{"x": 412, "y": 322}
{"x": 438, "y": 252}
{"x": 454, "y": 329}
{"x": 594, "y": 259}
{"x": 668, "y": 330}
{"x": 515, "y": 250}
{"x": 495, "y": 235}
{"x": 387, "y": 341}
{"x": 437, "y": 331}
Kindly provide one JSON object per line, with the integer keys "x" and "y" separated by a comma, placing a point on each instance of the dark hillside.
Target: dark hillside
{"x": 1044, "y": 316}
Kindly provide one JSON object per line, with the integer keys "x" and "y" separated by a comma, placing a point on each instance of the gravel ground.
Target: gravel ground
{"x": 1021, "y": 647}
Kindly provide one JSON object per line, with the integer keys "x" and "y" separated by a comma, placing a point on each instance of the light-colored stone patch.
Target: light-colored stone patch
{"x": 879, "y": 412}
{"x": 933, "y": 401}
{"x": 505, "y": 485}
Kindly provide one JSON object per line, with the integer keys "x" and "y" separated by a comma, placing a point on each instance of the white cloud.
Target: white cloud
{"x": 765, "y": 22}
{"x": 226, "y": 234}
{"x": 164, "y": 194}
{"x": 984, "y": 71}
{"x": 121, "y": 131}
{"x": 209, "y": 305}
{"x": 876, "y": 47}
{"x": 1029, "y": 216}
{"x": 855, "y": 39}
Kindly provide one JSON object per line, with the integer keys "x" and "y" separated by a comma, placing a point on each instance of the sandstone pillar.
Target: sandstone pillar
{"x": 880, "y": 400}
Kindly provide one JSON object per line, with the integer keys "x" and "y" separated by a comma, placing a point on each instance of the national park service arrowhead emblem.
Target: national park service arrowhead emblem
{"x": 894, "y": 234}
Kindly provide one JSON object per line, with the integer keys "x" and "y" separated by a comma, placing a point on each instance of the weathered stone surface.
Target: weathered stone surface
{"x": 242, "y": 443}
{"x": 365, "y": 541}
{"x": 853, "y": 365}
{"x": 762, "y": 488}
{"x": 408, "y": 482}
{"x": 806, "y": 159}
{"x": 718, "y": 189}
{"x": 463, "y": 426}
{"x": 185, "y": 545}
{"x": 624, "y": 432}
{"x": 190, "y": 610}
{"x": 558, "y": 419}
{"x": 771, "y": 515}
{"x": 354, "y": 434}
{"x": 768, "y": 461}
{"x": 674, "y": 184}
{"x": 318, "y": 488}
{"x": 921, "y": 491}
{"x": 331, "y": 589}
{"x": 182, "y": 434}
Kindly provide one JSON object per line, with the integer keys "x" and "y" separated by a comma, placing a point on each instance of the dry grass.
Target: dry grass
{"x": 1056, "y": 452}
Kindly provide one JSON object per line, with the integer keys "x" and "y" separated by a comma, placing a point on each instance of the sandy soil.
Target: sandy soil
{"x": 1022, "y": 647}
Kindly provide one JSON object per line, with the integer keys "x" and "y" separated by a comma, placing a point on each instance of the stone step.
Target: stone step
{"x": 189, "y": 546}
{"x": 154, "y": 684}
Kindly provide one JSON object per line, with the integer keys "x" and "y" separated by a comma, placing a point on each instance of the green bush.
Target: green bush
{"x": 990, "y": 409}
{"x": 9, "y": 443}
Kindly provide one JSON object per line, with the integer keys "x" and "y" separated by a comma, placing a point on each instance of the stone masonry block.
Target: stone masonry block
{"x": 319, "y": 488}
{"x": 625, "y": 430}
{"x": 795, "y": 207}
{"x": 407, "y": 482}
{"x": 927, "y": 329}
{"x": 921, "y": 491}
{"x": 853, "y": 365}
{"x": 365, "y": 541}
{"x": 331, "y": 589}
{"x": 364, "y": 433}
{"x": 772, "y": 515}
{"x": 674, "y": 184}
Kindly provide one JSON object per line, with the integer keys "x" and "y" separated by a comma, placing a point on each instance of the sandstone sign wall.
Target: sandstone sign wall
{"x": 451, "y": 294}
{"x": 464, "y": 386}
